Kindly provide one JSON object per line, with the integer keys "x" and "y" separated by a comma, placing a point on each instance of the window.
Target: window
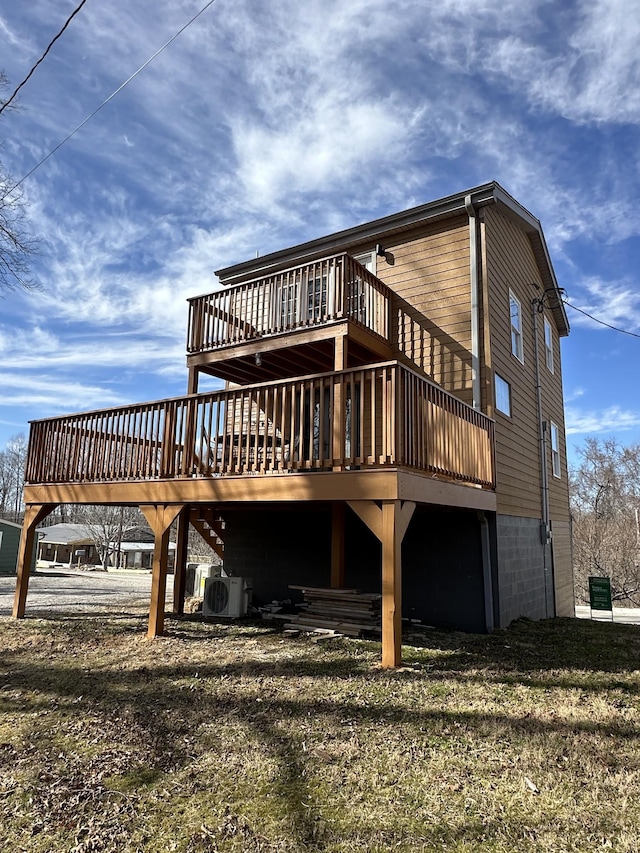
{"x": 503, "y": 396}
{"x": 317, "y": 298}
{"x": 304, "y": 300}
{"x": 368, "y": 261}
{"x": 548, "y": 344}
{"x": 356, "y": 290}
{"x": 555, "y": 450}
{"x": 515, "y": 311}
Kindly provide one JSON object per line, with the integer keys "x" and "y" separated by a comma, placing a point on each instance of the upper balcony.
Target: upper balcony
{"x": 294, "y": 315}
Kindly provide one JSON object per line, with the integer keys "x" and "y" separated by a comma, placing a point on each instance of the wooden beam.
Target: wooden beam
{"x": 226, "y": 317}
{"x": 391, "y": 585}
{"x": 290, "y": 338}
{"x": 33, "y": 515}
{"x": 404, "y": 518}
{"x": 370, "y": 514}
{"x": 340, "y": 352}
{"x": 369, "y": 484}
{"x": 192, "y": 385}
{"x": 180, "y": 564}
{"x": 389, "y": 523}
{"x": 160, "y": 518}
{"x": 337, "y": 544}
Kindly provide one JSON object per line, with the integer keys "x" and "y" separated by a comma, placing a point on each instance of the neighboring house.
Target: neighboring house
{"x": 9, "y": 544}
{"x": 73, "y": 544}
{"x": 67, "y": 545}
{"x": 392, "y": 420}
{"x": 138, "y": 555}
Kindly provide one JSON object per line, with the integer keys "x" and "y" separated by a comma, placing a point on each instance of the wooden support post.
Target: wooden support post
{"x": 160, "y": 518}
{"x": 339, "y": 363}
{"x": 391, "y": 586}
{"x": 340, "y": 353}
{"x": 337, "y": 545}
{"x": 33, "y": 515}
{"x": 389, "y": 524}
{"x": 192, "y": 385}
{"x": 180, "y": 565}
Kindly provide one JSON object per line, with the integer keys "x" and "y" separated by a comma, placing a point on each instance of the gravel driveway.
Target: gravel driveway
{"x": 59, "y": 590}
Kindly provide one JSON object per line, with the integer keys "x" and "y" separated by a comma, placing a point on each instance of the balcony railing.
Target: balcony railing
{"x": 380, "y": 416}
{"x": 309, "y": 295}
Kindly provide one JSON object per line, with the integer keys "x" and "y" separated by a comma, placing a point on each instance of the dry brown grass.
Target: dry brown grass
{"x": 233, "y": 738}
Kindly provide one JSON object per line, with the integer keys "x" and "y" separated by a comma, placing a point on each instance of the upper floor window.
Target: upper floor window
{"x": 515, "y": 312}
{"x": 548, "y": 344}
{"x": 368, "y": 261}
{"x": 355, "y": 296}
{"x": 503, "y": 395}
{"x": 555, "y": 450}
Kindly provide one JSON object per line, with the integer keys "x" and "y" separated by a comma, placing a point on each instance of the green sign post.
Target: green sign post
{"x": 600, "y": 594}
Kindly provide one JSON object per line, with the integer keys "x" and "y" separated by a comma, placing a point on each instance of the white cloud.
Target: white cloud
{"x": 612, "y": 419}
{"x": 616, "y": 303}
{"x": 19, "y": 389}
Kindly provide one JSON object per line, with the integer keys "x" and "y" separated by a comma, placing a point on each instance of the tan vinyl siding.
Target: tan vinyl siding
{"x": 562, "y": 568}
{"x": 553, "y": 408}
{"x": 511, "y": 266}
{"x": 431, "y": 319}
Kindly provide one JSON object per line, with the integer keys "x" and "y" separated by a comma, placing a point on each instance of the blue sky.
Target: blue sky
{"x": 264, "y": 125}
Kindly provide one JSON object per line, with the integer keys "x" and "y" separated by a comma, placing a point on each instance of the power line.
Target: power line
{"x": 111, "y": 96}
{"x": 602, "y": 323}
{"x": 49, "y": 46}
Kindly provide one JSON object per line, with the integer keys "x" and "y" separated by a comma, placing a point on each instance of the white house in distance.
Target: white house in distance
{"x": 74, "y": 545}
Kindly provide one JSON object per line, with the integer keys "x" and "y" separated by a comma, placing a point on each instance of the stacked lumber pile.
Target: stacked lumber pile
{"x": 344, "y": 611}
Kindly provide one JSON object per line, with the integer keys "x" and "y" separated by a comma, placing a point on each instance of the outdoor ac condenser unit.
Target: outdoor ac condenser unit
{"x": 226, "y": 597}
{"x": 203, "y": 571}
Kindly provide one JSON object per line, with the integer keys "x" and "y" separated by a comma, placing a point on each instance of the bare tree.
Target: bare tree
{"x": 107, "y": 525}
{"x": 17, "y": 245}
{"x": 12, "y": 462}
{"x": 605, "y": 504}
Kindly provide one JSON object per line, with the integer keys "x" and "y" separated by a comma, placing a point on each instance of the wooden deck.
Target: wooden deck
{"x": 310, "y": 295}
{"x": 379, "y": 417}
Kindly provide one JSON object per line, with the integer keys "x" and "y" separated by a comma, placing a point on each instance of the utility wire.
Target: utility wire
{"x": 49, "y": 46}
{"x": 602, "y": 323}
{"x": 111, "y": 96}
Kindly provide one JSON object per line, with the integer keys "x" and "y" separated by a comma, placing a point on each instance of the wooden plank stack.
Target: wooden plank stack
{"x": 345, "y": 611}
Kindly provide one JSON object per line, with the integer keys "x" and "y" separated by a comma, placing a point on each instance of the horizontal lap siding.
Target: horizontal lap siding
{"x": 553, "y": 408}
{"x": 511, "y": 266}
{"x": 431, "y": 321}
{"x": 562, "y": 568}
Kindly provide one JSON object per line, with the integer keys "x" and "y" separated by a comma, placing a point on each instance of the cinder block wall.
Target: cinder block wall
{"x": 521, "y": 576}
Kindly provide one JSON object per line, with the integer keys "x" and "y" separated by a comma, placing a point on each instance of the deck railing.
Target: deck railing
{"x": 380, "y": 416}
{"x": 308, "y": 295}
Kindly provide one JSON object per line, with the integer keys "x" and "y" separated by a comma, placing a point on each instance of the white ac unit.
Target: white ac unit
{"x": 226, "y": 597}
{"x": 203, "y": 571}
{"x": 196, "y": 574}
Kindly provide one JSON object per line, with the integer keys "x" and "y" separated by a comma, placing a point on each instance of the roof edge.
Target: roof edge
{"x": 449, "y": 205}
{"x": 375, "y": 231}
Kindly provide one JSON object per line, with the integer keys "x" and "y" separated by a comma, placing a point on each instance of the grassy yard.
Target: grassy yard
{"x": 233, "y": 738}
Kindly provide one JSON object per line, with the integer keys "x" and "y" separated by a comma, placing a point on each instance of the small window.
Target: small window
{"x": 555, "y": 450}
{"x": 548, "y": 344}
{"x": 368, "y": 261}
{"x": 503, "y": 395}
{"x": 515, "y": 311}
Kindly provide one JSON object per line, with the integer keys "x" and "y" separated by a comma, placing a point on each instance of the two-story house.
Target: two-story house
{"x": 391, "y": 420}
